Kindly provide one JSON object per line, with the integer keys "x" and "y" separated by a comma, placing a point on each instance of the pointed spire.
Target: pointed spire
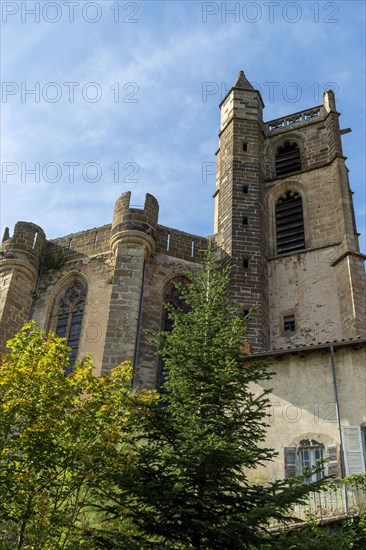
{"x": 242, "y": 82}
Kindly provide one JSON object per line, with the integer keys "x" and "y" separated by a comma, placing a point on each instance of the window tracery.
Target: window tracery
{"x": 70, "y": 316}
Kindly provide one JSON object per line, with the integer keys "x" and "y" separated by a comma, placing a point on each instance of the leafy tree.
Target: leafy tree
{"x": 190, "y": 487}
{"x": 57, "y": 432}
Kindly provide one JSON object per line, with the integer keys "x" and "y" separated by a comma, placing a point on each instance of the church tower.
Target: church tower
{"x": 284, "y": 219}
{"x": 241, "y": 227}
{"x": 317, "y": 282}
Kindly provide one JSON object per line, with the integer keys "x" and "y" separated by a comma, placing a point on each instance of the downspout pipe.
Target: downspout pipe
{"x": 135, "y": 358}
{"x": 35, "y": 293}
{"x": 336, "y": 397}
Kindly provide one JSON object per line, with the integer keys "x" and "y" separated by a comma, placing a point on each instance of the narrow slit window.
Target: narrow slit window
{"x": 95, "y": 239}
{"x": 245, "y": 189}
{"x": 290, "y": 223}
{"x": 168, "y": 242}
{"x": 245, "y": 147}
{"x": 192, "y": 249}
{"x": 35, "y": 240}
{"x": 245, "y": 220}
{"x": 287, "y": 159}
{"x": 246, "y": 263}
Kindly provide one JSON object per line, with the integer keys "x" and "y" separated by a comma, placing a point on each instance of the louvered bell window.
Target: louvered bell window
{"x": 290, "y": 223}
{"x": 287, "y": 159}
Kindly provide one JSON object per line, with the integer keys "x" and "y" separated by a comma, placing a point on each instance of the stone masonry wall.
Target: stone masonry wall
{"x": 305, "y": 284}
{"x": 16, "y": 292}
{"x": 241, "y": 218}
{"x": 160, "y": 271}
{"x": 178, "y": 244}
{"x": 124, "y": 307}
{"x": 91, "y": 242}
{"x": 97, "y": 273}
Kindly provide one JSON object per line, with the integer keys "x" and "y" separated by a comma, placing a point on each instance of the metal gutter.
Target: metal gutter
{"x": 343, "y": 471}
{"x": 308, "y": 349}
{"x": 139, "y": 321}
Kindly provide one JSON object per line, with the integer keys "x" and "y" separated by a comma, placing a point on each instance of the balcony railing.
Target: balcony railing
{"x": 331, "y": 504}
{"x": 296, "y": 118}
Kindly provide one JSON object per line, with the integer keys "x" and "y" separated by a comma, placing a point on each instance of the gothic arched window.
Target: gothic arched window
{"x": 290, "y": 223}
{"x": 70, "y": 316}
{"x": 171, "y": 296}
{"x": 287, "y": 159}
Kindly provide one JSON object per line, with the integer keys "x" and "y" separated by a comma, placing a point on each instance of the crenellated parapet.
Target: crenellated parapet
{"x": 133, "y": 225}
{"x": 20, "y": 261}
{"x": 24, "y": 249}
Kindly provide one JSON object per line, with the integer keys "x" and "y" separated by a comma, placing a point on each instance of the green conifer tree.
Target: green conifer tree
{"x": 191, "y": 487}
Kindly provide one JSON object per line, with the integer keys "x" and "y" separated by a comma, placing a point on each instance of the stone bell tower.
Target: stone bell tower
{"x": 284, "y": 220}
{"x": 317, "y": 282}
{"x": 239, "y": 203}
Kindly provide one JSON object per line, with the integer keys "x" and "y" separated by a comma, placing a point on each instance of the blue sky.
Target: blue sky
{"x": 139, "y": 72}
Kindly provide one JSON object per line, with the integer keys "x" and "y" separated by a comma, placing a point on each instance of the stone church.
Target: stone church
{"x": 284, "y": 218}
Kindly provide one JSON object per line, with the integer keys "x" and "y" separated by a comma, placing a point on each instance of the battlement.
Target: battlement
{"x": 127, "y": 218}
{"x": 179, "y": 244}
{"x": 135, "y": 225}
{"x": 92, "y": 242}
{"x": 26, "y": 244}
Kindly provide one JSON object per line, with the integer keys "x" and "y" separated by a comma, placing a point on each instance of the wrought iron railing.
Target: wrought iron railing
{"x": 331, "y": 504}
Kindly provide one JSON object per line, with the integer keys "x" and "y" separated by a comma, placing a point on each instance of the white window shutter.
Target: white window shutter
{"x": 353, "y": 452}
{"x": 290, "y": 462}
{"x": 333, "y": 466}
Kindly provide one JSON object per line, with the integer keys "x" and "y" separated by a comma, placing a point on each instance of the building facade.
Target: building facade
{"x": 284, "y": 219}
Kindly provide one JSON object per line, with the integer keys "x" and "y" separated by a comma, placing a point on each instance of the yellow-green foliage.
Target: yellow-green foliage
{"x": 57, "y": 432}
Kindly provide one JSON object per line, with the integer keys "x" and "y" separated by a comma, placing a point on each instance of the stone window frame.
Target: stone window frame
{"x": 271, "y": 147}
{"x": 283, "y": 315}
{"x": 282, "y": 239}
{"x": 281, "y": 188}
{"x": 289, "y": 332}
{"x": 57, "y": 304}
{"x": 295, "y": 146}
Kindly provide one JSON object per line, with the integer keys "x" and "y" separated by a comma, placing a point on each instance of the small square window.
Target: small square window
{"x": 289, "y": 324}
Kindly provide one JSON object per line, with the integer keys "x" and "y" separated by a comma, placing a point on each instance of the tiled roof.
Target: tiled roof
{"x": 313, "y": 347}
